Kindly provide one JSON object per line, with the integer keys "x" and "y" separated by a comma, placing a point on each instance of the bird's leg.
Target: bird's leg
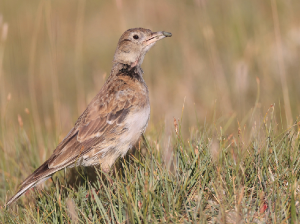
{"x": 106, "y": 169}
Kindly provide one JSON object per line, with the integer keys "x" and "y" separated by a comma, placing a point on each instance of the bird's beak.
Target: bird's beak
{"x": 157, "y": 36}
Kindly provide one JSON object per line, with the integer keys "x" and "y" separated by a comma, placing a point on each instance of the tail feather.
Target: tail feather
{"x": 19, "y": 193}
{"x": 38, "y": 176}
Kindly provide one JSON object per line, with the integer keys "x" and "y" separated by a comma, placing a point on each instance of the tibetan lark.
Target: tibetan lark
{"x": 115, "y": 118}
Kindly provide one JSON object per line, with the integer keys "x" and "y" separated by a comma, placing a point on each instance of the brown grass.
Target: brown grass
{"x": 228, "y": 62}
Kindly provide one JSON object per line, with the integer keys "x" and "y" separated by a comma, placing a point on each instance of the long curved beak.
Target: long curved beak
{"x": 157, "y": 36}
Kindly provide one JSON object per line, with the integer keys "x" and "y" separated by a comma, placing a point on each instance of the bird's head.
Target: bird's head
{"x": 134, "y": 44}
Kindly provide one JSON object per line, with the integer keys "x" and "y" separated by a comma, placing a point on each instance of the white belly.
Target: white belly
{"x": 136, "y": 124}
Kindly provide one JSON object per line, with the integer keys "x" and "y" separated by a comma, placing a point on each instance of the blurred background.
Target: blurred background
{"x": 228, "y": 63}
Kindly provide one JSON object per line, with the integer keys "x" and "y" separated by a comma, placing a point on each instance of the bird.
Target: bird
{"x": 114, "y": 119}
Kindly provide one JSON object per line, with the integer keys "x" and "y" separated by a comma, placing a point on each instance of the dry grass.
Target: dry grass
{"x": 229, "y": 62}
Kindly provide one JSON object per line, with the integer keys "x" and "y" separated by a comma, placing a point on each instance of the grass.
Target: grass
{"x": 209, "y": 178}
{"x": 231, "y": 157}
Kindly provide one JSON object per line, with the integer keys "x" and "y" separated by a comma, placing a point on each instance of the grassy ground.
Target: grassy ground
{"x": 232, "y": 155}
{"x": 209, "y": 178}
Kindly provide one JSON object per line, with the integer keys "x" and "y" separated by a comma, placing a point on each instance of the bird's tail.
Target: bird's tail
{"x": 38, "y": 176}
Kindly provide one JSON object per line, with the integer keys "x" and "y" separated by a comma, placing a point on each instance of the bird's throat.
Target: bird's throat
{"x": 135, "y": 72}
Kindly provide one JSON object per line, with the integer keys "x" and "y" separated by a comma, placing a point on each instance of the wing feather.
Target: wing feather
{"x": 98, "y": 126}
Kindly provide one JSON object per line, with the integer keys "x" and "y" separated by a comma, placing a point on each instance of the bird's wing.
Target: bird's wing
{"x": 99, "y": 125}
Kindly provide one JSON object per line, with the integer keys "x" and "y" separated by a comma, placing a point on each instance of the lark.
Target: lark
{"x": 115, "y": 118}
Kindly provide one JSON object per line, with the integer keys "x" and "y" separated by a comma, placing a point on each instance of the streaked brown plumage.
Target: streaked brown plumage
{"x": 115, "y": 118}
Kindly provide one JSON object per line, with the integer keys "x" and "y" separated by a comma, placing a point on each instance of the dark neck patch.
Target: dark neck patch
{"x": 132, "y": 72}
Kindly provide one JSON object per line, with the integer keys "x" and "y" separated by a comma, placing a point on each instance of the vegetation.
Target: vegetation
{"x": 230, "y": 156}
{"x": 205, "y": 180}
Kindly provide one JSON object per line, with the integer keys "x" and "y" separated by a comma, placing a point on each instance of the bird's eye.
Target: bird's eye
{"x": 136, "y": 37}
